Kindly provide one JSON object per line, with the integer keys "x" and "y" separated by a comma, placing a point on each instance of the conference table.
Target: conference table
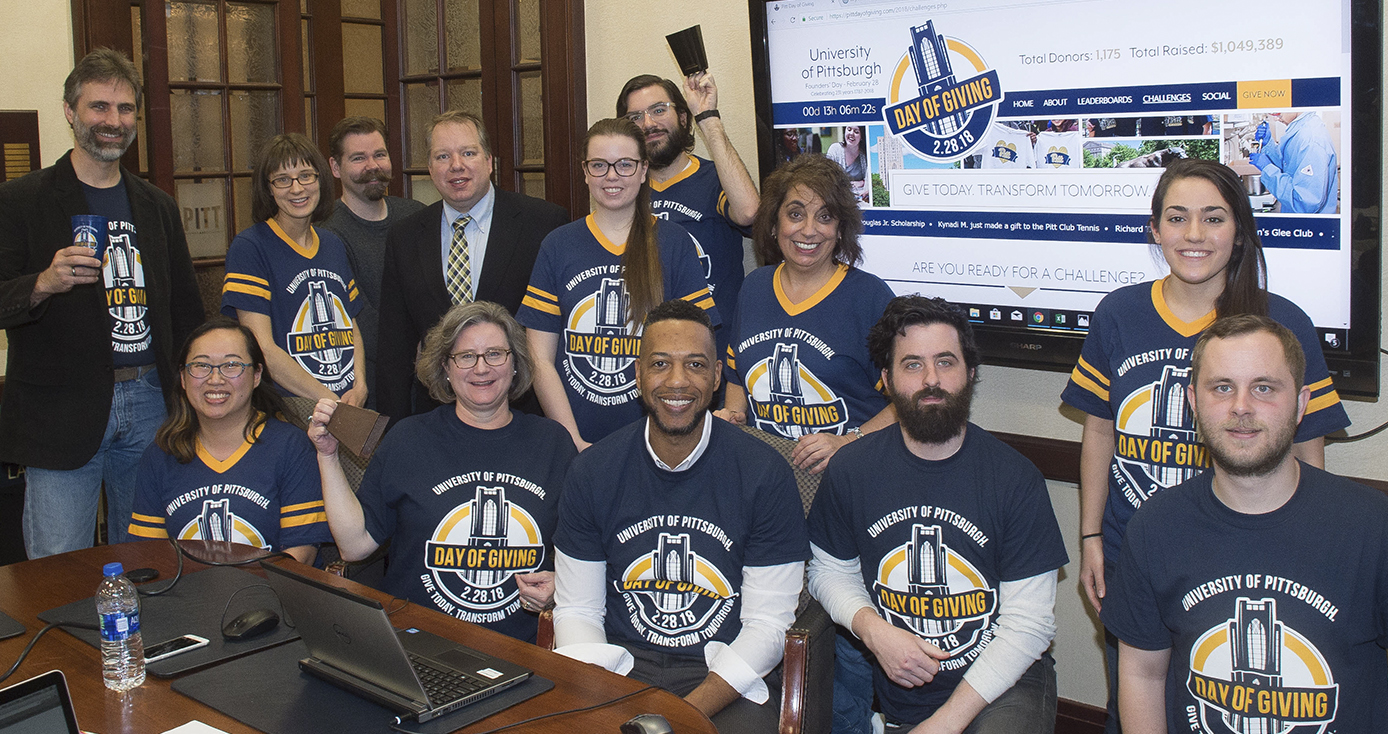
{"x": 32, "y": 587}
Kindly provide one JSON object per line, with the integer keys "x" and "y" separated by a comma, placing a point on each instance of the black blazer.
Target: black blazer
{"x": 414, "y": 296}
{"x": 58, "y": 384}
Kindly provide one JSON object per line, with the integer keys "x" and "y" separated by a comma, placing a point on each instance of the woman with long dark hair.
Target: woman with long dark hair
{"x": 1135, "y": 364}
{"x": 291, "y": 282}
{"x": 851, "y": 155}
{"x": 222, "y": 466}
{"x": 594, "y": 282}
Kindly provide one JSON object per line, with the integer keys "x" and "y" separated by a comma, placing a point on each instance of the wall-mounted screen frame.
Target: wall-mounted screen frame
{"x": 1007, "y": 149}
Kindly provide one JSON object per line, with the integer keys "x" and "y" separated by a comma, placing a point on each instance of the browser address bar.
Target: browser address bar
{"x": 875, "y": 12}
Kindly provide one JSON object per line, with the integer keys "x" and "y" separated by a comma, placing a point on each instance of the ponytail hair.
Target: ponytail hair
{"x": 1245, "y": 277}
{"x": 641, "y": 264}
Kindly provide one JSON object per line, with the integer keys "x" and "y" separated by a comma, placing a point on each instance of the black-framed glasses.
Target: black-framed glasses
{"x": 307, "y": 178}
{"x": 597, "y": 167}
{"x": 468, "y": 360}
{"x": 203, "y": 370}
{"x": 657, "y": 112}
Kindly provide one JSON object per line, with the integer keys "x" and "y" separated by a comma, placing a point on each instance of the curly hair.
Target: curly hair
{"x": 829, "y": 182}
{"x": 903, "y": 312}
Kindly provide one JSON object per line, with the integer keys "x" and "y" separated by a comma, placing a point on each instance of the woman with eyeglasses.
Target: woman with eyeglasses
{"x": 291, "y": 283}
{"x": 222, "y": 467}
{"x": 593, "y": 284}
{"x": 468, "y": 493}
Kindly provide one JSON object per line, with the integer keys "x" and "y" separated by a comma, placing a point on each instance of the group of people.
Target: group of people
{"x": 669, "y": 541}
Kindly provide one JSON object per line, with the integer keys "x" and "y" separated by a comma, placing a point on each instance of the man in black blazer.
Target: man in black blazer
{"x": 91, "y": 341}
{"x": 432, "y": 256}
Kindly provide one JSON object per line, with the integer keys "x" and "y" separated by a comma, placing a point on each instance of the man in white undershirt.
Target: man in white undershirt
{"x": 681, "y": 542}
{"x": 936, "y": 545}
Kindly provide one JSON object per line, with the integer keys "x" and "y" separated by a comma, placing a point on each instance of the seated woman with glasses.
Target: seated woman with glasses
{"x": 291, "y": 283}
{"x": 467, "y": 494}
{"x": 222, "y": 467}
{"x": 593, "y": 283}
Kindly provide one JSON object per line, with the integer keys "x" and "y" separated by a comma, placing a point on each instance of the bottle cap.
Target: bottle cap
{"x": 113, "y": 569}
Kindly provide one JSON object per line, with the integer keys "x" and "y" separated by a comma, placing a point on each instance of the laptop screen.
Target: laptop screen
{"x": 37, "y": 706}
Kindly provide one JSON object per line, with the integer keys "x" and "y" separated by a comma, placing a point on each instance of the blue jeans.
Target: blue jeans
{"x": 852, "y": 686}
{"x": 60, "y": 506}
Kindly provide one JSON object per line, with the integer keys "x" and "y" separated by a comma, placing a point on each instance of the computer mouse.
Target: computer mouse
{"x": 647, "y": 724}
{"x": 251, "y": 624}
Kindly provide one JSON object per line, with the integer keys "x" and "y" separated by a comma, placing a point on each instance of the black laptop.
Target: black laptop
{"x": 40, "y": 705}
{"x": 352, "y": 644}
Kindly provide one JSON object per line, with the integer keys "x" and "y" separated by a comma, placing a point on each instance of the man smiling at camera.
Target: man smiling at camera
{"x": 681, "y": 543}
{"x": 1253, "y": 597}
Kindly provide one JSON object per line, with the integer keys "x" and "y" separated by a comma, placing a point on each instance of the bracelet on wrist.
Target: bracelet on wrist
{"x": 706, "y": 114}
{"x": 1087, "y": 536}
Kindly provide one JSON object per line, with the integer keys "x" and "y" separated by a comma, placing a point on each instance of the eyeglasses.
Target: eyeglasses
{"x": 307, "y": 178}
{"x": 597, "y": 167}
{"x": 203, "y": 370}
{"x": 468, "y": 360}
{"x": 656, "y": 112}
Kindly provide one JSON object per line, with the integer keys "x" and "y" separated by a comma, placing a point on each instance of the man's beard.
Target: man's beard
{"x": 86, "y": 140}
{"x": 1256, "y": 465}
{"x": 374, "y": 184}
{"x": 934, "y": 424}
{"x": 667, "y": 151}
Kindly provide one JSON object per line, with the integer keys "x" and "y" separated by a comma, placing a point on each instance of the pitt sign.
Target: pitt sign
{"x": 943, "y": 118}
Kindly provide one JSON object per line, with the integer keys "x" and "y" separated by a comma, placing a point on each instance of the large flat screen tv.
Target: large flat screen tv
{"x": 1005, "y": 151}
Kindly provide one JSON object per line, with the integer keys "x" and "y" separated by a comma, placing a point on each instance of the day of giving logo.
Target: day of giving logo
{"x": 124, "y": 274}
{"x": 938, "y": 594}
{"x": 599, "y": 350}
{"x": 675, "y": 598}
{"x": 321, "y": 334}
{"x": 217, "y": 522}
{"x": 1255, "y": 675}
{"x": 474, "y": 552}
{"x": 944, "y": 118}
{"x": 788, "y": 400}
{"x": 1157, "y": 442}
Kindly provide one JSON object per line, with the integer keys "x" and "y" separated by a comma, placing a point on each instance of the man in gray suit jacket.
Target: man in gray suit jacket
{"x": 478, "y": 244}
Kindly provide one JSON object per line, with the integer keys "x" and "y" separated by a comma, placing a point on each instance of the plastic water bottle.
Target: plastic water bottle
{"x": 122, "y": 649}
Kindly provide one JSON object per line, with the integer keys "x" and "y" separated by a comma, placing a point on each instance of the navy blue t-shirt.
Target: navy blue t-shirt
{"x": 1278, "y": 619}
{"x": 465, "y": 510}
{"x": 675, "y": 543}
{"x": 123, "y": 273}
{"x": 935, "y": 538}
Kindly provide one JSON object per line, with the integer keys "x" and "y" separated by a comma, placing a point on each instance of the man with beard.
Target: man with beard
{"x": 359, "y": 160}
{"x": 681, "y": 543}
{"x": 1235, "y": 606}
{"x": 936, "y": 544}
{"x": 714, "y": 200}
{"x": 91, "y": 341}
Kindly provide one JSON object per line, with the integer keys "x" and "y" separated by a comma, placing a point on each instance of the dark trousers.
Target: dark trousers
{"x": 680, "y": 675}
{"x": 1028, "y": 707}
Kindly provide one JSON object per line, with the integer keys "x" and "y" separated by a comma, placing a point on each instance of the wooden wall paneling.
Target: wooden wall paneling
{"x": 19, "y": 135}
{"x": 325, "y": 33}
{"x": 565, "y": 83}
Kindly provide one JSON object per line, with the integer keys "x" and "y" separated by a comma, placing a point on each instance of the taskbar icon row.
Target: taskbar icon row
{"x": 1029, "y": 317}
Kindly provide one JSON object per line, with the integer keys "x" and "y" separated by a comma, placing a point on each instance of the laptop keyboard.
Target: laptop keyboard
{"x": 443, "y": 686}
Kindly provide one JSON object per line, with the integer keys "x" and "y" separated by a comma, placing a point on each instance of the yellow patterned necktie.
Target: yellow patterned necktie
{"x": 459, "y": 275}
